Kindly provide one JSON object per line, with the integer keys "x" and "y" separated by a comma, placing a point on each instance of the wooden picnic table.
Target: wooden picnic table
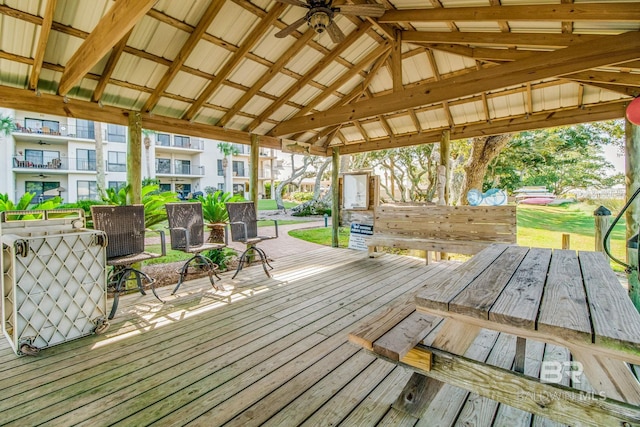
{"x": 554, "y": 296}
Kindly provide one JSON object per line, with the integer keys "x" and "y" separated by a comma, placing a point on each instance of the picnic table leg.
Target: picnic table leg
{"x": 454, "y": 337}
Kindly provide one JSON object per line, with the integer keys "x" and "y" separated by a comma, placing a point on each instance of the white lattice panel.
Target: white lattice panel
{"x": 56, "y": 290}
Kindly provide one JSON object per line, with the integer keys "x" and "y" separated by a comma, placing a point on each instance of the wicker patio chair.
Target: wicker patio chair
{"x": 186, "y": 227}
{"x": 244, "y": 228}
{"x": 124, "y": 227}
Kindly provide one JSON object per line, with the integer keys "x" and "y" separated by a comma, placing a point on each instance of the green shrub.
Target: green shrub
{"x": 313, "y": 207}
{"x": 301, "y": 196}
{"x": 220, "y": 257}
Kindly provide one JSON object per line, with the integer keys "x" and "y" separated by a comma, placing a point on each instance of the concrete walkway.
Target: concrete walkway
{"x": 284, "y": 245}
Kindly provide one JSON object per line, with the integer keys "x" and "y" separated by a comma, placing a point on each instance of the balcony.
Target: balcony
{"x": 51, "y": 129}
{"x": 179, "y": 170}
{"x": 53, "y": 165}
{"x": 178, "y": 143}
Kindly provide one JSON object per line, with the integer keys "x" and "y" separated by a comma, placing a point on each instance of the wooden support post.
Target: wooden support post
{"x": 602, "y": 217}
{"x": 445, "y": 154}
{"x": 566, "y": 241}
{"x": 632, "y": 216}
{"x": 134, "y": 158}
{"x": 335, "y": 195}
{"x": 253, "y": 169}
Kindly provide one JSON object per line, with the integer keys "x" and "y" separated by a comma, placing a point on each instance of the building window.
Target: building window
{"x": 183, "y": 191}
{"x": 116, "y": 133}
{"x": 238, "y": 168}
{"x": 183, "y": 167}
{"x": 164, "y": 187}
{"x": 85, "y": 160}
{"x": 221, "y": 186}
{"x": 42, "y": 190}
{"x": 116, "y": 161}
{"x": 182, "y": 141}
{"x": 43, "y": 126}
{"x": 163, "y": 139}
{"x": 42, "y": 158}
{"x": 87, "y": 190}
{"x": 238, "y": 189}
{"x": 84, "y": 129}
{"x": 117, "y": 185}
{"x": 163, "y": 165}
{"x": 220, "y": 168}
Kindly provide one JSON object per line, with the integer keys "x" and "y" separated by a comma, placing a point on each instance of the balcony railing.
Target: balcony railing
{"x": 55, "y": 129}
{"x": 190, "y": 170}
{"x": 57, "y": 163}
{"x": 191, "y": 144}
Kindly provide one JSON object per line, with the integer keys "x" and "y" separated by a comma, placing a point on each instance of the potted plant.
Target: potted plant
{"x": 215, "y": 214}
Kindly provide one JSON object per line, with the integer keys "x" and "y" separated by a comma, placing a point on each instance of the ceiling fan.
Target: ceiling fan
{"x": 321, "y": 13}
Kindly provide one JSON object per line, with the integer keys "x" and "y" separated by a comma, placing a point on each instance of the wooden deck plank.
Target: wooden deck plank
{"x": 374, "y": 407}
{"x": 518, "y": 304}
{"x": 480, "y": 410}
{"x": 396, "y": 343}
{"x": 445, "y": 407}
{"x": 563, "y": 311}
{"x": 282, "y": 323}
{"x": 341, "y": 403}
{"x": 477, "y": 298}
{"x": 169, "y": 407}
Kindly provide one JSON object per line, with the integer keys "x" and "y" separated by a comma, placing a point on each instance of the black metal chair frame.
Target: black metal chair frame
{"x": 186, "y": 226}
{"x": 124, "y": 227}
{"x": 243, "y": 222}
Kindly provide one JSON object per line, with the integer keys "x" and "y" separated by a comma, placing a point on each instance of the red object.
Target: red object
{"x": 633, "y": 111}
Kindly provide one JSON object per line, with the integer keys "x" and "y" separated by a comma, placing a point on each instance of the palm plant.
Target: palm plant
{"x": 6, "y": 125}
{"x": 152, "y": 199}
{"x": 25, "y": 201}
{"x": 214, "y": 212}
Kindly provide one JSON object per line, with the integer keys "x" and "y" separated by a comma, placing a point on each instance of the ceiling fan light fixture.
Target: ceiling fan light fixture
{"x": 319, "y": 21}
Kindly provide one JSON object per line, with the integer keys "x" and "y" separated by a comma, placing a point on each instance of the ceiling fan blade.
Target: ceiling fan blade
{"x": 291, "y": 28}
{"x": 375, "y": 10}
{"x": 294, "y": 2}
{"x": 336, "y": 34}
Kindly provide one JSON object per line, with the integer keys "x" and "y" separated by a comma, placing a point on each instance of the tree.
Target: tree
{"x": 561, "y": 159}
{"x": 413, "y": 170}
{"x": 296, "y": 174}
{"x": 228, "y": 150}
{"x": 483, "y": 150}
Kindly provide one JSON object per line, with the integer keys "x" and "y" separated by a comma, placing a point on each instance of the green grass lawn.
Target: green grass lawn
{"x": 270, "y": 205}
{"x": 322, "y": 235}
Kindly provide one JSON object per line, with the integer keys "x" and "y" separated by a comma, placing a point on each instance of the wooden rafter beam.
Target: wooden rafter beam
{"x": 38, "y": 58}
{"x": 117, "y": 22}
{"x": 610, "y": 12}
{"x": 533, "y": 40}
{"x": 116, "y": 52}
{"x": 266, "y": 77}
{"x": 57, "y": 105}
{"x": 541, "y": 120}
{"x": 317, "y": 69}
{"x": 545, "y": 65}
{"x": 232, "y": 63}
{"x": 365, "y": 62}
{"x": 194, "y": 38}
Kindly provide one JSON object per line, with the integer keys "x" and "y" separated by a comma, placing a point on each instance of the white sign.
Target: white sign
{"x": 360, "y": 236}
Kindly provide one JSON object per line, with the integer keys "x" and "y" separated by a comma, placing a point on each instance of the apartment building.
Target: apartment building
{"x": 50, "y": 156}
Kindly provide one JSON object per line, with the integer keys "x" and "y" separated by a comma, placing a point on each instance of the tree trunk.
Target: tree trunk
{"x": 483, "y": 151}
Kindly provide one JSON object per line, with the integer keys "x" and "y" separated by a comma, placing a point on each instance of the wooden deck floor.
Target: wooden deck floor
{"x": 266, "y": 352}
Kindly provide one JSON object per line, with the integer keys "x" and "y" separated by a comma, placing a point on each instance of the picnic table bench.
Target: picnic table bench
{"x": 455, "y": 229}
{"x": 560, "y": 297}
